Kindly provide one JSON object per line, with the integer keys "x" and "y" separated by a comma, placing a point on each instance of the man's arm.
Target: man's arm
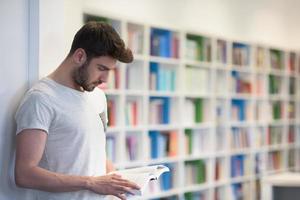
{"x": 30, "y": 148}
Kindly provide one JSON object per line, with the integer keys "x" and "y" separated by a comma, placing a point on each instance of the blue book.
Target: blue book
{"x": 154, "y": 69}
{"x": 162, "y": 39}
{"x": 154, "y": 143}
{"x": 166, "y": 110}
{"x": 166, "y": 180}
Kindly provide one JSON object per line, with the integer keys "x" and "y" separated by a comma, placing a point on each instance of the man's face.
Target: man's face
{"x": 92, "y": 73}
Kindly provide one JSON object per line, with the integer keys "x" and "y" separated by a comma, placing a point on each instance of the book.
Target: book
{"x": 142, "y": 176}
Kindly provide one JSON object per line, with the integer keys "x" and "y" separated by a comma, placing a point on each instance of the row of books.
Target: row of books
{"x": 195, "y": 112}
{"x": 197, "y": 141}
{"x": 163, "y": 144}
{"x": 259, "y": 161}
{"x": 277, "y": 59}
{"x": 260, "y": 58}
{"x": 292, "y": 62}
{"x": 291, "y": 110}
{"x": 260, "y": 137}
{"x": 135, "y": 37}
{"x": 198, "y": 48}
{"x": 292, "y": 85}
{"x": 112, "y": 112}
{"x": 162, "y": 77}
{"x": 220, "y": 193}
{"x": 219, "y": 169}
{"x": 260, "y": 86}
{"x": 291, "y": 134}
{"x": 164, "y": 43}
{"x": 275, "y": 135}
{"x": 240, "y": 138}
{"x": 133, "y": 146}
{"x": 274, "y": 160}
{"x": 201, "y": 195}
{"x": 274, "y": 110}
{"x": 292, "y": 158}
{"x": 240, "y": 54}
{"x": 240, "y": 165}
{"x": 160, "y": 110}
{"x": 132, "y": 117}
{"x": 113, "y": 80}
{"x": 241, "y": 191}
{"x": 275, "y": 84}
{"x": 198, "y": 111}
{"x": 111, "y": 147}
{"x": 195, "y": 172}
{"x": 277, "y": 110}
{"x": 221, "y": 51}
{"x": 241, "y": 82}
{"x": 240, "y": 110}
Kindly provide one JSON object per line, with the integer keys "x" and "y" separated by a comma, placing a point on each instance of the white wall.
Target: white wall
{"x": 13, "y": 83}
{"x": 43, "y": 47}
{"x": 271, "y": 22}
{"x": 51, "y": 33}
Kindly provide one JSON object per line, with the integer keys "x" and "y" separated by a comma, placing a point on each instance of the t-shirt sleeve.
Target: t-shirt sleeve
{"x": 34, "y": 113}
{"x": 104, "y": 100}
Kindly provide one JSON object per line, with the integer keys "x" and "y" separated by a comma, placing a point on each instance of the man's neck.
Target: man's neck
{"x": 63, "y": 76}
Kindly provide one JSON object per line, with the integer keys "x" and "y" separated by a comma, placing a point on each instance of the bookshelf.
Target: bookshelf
{"x": 220, "y": 113}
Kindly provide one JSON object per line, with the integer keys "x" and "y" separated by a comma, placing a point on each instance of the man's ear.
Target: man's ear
{"x": 79, "y": 56}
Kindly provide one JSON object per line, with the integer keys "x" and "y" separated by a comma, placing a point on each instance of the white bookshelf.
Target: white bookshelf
{"x": 221, "y": 111}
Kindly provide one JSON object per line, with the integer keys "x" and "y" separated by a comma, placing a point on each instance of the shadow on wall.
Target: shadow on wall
{"x": 8, "y": 189}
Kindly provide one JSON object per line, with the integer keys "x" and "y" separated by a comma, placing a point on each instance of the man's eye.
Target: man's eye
{"x": 101, "y": 68}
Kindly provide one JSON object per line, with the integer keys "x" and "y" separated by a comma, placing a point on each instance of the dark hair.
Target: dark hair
{"x": 101, "y": 39}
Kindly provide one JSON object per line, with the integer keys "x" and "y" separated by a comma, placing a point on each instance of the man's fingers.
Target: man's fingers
{"x": 127, "y": 183}
{"x": 121, "y": 196}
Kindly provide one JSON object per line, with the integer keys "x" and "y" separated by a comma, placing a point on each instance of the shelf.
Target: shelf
{"x": 163, "y": 127}
{"x": 172, "y": 61}
{"x": 163, "y": 94}
{"x": 197, "y": 86}
{"x": 200, "y": 64}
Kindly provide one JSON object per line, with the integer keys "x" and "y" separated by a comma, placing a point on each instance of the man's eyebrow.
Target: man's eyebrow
{"x": 101, "y": 65}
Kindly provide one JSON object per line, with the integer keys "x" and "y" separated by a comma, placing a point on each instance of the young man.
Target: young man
{"x": 61, "y": 120}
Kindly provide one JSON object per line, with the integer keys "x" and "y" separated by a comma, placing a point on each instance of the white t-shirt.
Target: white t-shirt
{"x": 76, "y": 139}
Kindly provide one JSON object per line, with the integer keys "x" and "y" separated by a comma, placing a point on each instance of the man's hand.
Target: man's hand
{"x": 111, "y": 184}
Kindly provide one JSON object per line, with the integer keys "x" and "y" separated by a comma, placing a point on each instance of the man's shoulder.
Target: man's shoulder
{"x": 39, "y": 91}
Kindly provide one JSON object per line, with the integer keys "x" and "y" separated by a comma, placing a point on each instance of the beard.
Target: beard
{"x": 81, "y": 78}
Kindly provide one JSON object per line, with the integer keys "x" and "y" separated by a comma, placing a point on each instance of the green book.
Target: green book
{"x": 188, "y": 196}
{"x": 198, "y": 110}
{"x": 189, "y": 135}
{"x": 199, "y": 41}
{"x": 201, "y": 171}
